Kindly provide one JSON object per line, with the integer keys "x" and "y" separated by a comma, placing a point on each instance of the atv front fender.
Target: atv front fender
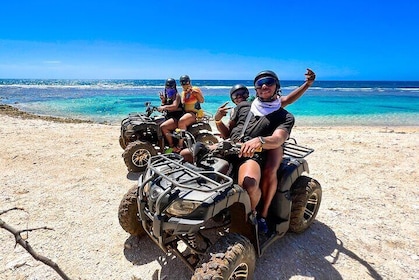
{"x": 288, "y": 173}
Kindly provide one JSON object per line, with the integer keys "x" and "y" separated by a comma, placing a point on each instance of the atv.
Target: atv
{"x": 142, "y": 138}
{"x": 199, "y": 213}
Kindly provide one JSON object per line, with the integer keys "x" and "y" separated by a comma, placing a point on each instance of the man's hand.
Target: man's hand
{"x": 221, "y": 111}
{"x": 310, "y": 76}
{"x": 249, "y": 148}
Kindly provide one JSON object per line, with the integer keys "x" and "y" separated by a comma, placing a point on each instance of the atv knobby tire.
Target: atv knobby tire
{"x": 231, "y": 257}
{"x": 137, "y": 154}
{"x": 206, "y": 138}
{"x": 122, "y": 143}
{"x": 306, "y": 197}
{"x": 127, "y": 213}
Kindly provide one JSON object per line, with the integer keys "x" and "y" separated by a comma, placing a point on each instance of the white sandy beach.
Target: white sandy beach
{"x": 71, "y": 177}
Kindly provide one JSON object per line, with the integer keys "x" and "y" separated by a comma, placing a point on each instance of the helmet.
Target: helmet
{"x": 268, "y": 73}
{"x": 170, "y": 83}
{"x": 237, "y": 88}
{"x": 185, "y": 80}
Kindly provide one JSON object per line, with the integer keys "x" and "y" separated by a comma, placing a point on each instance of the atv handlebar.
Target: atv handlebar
{"x": 230, "y": 148}
{"x": 150, "y": 109}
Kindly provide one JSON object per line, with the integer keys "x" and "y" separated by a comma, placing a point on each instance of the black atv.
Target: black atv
{"x": 197, "y": 212}
{"x": 142, "y": 138}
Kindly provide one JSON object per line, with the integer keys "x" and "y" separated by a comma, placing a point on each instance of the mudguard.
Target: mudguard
{"x": 288, "y": 173}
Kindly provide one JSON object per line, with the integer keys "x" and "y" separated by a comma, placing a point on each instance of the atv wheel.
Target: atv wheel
{"x": 136, "y": 155}
{"x": 231, "y": 257}
{"x": 122, "y": 143}
{"x": 206, "y": 138}
{"x": 127, "y": 213}
{"x": 306, "y": 197}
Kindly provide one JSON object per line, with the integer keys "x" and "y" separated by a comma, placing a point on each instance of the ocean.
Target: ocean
{"x": 326, "y": 103}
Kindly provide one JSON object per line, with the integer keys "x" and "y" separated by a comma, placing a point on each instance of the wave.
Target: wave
{"x": 343, "y": 86}
{"x": 107, "y": 87}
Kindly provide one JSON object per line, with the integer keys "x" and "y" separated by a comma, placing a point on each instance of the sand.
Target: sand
{"x": 71, "y": 177}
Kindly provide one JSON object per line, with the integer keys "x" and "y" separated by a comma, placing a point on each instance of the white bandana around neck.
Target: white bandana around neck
{"x": 260, "y": 108}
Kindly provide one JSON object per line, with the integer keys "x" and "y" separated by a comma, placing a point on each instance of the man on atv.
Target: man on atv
{"x": 262, "y": 106}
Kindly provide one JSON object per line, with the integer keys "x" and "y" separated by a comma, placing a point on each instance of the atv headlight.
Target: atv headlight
{"x": 182, "y": 207}
{"x": 155, "y": 192}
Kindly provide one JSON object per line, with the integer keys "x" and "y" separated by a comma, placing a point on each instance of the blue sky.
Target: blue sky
{"x": 339, "y": 40}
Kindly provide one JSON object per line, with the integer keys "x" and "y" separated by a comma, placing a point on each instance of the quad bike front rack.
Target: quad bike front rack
{"x": 172, "y": 168}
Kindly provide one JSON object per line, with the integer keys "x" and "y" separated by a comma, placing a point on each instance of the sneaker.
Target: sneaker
{"x": 262, "y": 225}
{"x": 168, "y": 151}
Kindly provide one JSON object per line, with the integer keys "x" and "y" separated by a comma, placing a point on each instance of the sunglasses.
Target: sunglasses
{"x": 243, "y": 94}
{"x": 184, "y": 83}
{"x": 268, "y": 81}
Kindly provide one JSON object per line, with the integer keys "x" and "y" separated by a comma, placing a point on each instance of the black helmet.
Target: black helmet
{"x": 170, "y": 83}
{"x": 185, "y": 80}
{"x": 239, "y": 88}
{"x": 268, "y": 73}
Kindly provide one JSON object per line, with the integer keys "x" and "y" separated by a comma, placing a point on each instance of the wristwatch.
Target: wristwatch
{"x": 262, "y": 140}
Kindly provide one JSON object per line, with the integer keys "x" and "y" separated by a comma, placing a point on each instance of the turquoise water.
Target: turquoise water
{"x": 326, "y": 103}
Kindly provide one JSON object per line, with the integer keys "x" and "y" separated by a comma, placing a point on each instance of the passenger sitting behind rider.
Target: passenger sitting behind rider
{"x": 191, "y": 100}
{"x": 171, "y": 104}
